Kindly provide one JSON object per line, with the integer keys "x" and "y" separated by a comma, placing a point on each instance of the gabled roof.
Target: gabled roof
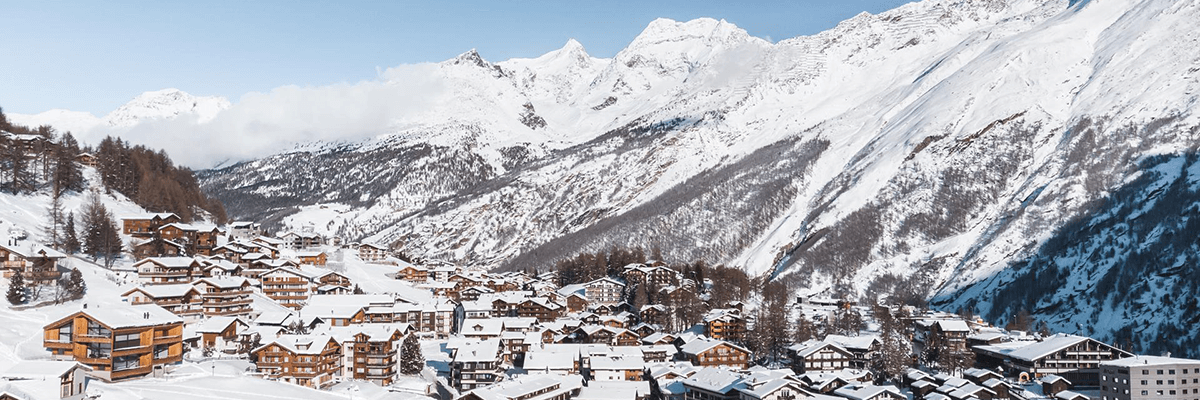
{"x": 484, "y": 350}
{"x": 372, "y": 245}
{"x": 1047, "y": 347}
{"x": 164, "y": 291}
{"x": 225, "y": 282}
{"x": 867, "y": 392}
{"x": 38, "y": 369}
{"x": 123, "y": 316}
{"x": 301, "y": 344}
{"x": 149, "y": 216}
{"x": 27, "y": 250}
{"x": 701, "y": 345}
{"x": 716, "y": 380}
{"x": 219, "y": 324}
{"x": 170, "y": 262}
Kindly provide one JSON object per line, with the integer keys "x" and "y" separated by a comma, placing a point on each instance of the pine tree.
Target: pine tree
{"x": 76, "y": 287}
{"x": 411, "y": 359}
{"x": 895, "y": 352}
{"x": 16, "y": 288}
{"x": 101, "y": 238}
{"x": 70, "y": 235}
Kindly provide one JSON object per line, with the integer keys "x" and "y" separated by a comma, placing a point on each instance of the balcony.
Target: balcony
{"x": 129, "y": 373}
{"x": 167, "y": 339}
{"x": 226, "y": 294}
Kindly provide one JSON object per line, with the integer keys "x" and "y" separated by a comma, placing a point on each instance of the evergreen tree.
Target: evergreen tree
{"x": 805, "y": 329}
{"x": 20, "y": 178}
{"x": 16, "y": 288}
{"x": 411, "y": 359}
{"x": 101, "y": 239}
{"x": 70, "y": 235}
{"x": 75, "y": 286}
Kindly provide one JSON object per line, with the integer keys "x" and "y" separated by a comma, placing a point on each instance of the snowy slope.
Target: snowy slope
{"x": 945, "y": 143}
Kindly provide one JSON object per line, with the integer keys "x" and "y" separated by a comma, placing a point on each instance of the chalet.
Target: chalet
{"x": 653, "y": 314}
{"x": 168, "y": 270}
{"x": 302, "y": 240}
{"x": 1052, "y": 384}
{"x": 473, "y": 293}
{"x": 87, "y": 159}
{"x": 870, "y": 392}
{"x": 67, "y": 379}
{"x": 644, "y": 329}
{"x": 979, "y": 376}
{"x": 412, "y": 273}
{"x": 232, "y": 252}
{"x": 726, "y": 324}
{"x": 617, "y": 368}
{"x": 225, "y": 296}
{"x": 577, "y": 302}
{"x": 819, "y": 356}
{"x": 371, "y": 252}
{"x": 37, "y": 263}
{"x": 713, "y": 384}
{"x": 244, "y": 230}
{"x": 530, "y": 387}
{"x": 223, "y": 333}
{"x": 604, "y": 291}
{"x": 475, "y": 365}
{"x": 551, "y": 363}
{"x": 118, "y": 342}
{"x": 181, "y": 299}
{"x": 659, "y": 338}
{"x": 659, "y": 352}
{"x": 655, "y": 275}
{"x": 863, "y": 347}
{"x": 218, "y": 268}
{"x": 306, "y": 360}
{"x": 540, "y": 308}
{"x": 312, "y": 257}
{"x": 292, "y": 286}
{"x": 773, "y": 389}
{"x": 370, "y": 352}
{"x": 482, "y": 329}
{"x": 157, "y": 247}
{"x": 972, "y": 391}
{"x": 145, "y": 225}
{"x": 201, "y": 238}
{"x": 706, "y": 352}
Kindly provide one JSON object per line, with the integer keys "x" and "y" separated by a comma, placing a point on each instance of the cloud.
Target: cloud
{"x": 264, "y": 123}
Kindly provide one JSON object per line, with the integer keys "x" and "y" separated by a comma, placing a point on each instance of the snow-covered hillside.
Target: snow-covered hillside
{"x": 949, "y": 143}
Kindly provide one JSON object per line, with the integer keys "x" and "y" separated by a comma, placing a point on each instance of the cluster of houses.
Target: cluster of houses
{"x": 300, "y": 319}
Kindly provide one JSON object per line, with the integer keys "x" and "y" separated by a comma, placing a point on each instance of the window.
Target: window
{"x": 126, "y": 341}
{"x": 1160, "y": 372}
{"x": 126, "y": 362}
{"x": 1145, "y": 382}
{"x": 64, "y": 333}
{"x": 1171, "y": 372}
{"x": 99, "y": 350}
{"x": 1145, "y": 392}
{"x": 1158, "y": 382}
{"x": 162, "y": 351}
{"x": 1145, "y": 372}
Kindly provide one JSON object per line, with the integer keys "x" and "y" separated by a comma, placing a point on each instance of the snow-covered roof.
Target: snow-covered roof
{"x": 218, "y": 324}
{"x": 701, "y": 345}
{"x": 149, "y": 216}
{"x": 614, "y": 390}
{"x": 1051, "y": 379}
{"x": 164, "y": 291}
{"x": 169, "y": 262}
{"x": 543, "y": 360}
{"x": 866, "y": 392}
{"x": 301, "y": 344}
{"x": 617, "y": 363}
{"x": 484, "y": 350}
{"x": 1046, "y": 347}
{"x": 225, "y": 282}
{"x": 1146, "y": 361}
{"x": 273, "y": 318}
{"x": 955, "y": 325}
{"x": 38, "y": 369}
{"x": 27, "y": 249}
{"x": 123, "y": 316}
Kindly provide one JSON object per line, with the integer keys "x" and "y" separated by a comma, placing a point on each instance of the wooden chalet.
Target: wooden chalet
{"x": 117, "y": 342}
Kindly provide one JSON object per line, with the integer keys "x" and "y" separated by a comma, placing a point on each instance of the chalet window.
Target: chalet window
{"x": 1159, "y": 382}
{"x": 1160, "y": 372}
{"x": 99, "y": 350}
{"x": 1171, "y": 382}
{"x": 127, "y": 341}
{"x": 1145, "y": 382}
{"x": 162, "y": 351}
{"x": 1171, "y": 372}
{"x": 126, "y": 362}
{"x": 64, "y": 333}
{"x": 1145, "y": 372}
{"x": 95, "y": 329}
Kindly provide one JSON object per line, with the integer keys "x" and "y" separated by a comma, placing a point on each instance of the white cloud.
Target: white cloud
{"x": 263, "y": 123}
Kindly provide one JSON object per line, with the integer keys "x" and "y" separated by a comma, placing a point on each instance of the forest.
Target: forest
{"x": 39, "y": 158}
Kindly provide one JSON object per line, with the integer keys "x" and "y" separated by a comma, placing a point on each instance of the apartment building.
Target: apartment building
{"x": 475, "y": 365}
{"x": 168, "y": 270}
{"x": 371, "y": 252}
{"x": 306, "y": 360}
{"x": 604, "y": 291}
{"x": 119, "y": 342}
{"x": 707, "y": 352}
{"x": 225, "y": 296}
{"x": 181, "y": 299}
{"x": 1150, "y": 377}
{"x": 370, "y": 352}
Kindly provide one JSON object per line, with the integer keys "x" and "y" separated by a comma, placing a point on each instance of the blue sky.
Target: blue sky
{"x": 94, "y": 56}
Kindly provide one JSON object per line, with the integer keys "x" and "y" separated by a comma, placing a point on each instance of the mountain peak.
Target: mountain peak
{"x": 471, "y": 57}
{"x": 165, "y": 103}
{"x": 664, "y": 29}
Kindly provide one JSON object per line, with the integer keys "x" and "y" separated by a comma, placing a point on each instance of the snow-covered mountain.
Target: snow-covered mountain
{"x": 963, "y": 147}
{"x": 156, "y": 105}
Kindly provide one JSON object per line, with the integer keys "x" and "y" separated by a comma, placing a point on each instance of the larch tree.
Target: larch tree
{"x": 70, "y": 235}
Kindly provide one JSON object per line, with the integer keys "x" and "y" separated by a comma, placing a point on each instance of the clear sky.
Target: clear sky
{"x": 94, "y": 56}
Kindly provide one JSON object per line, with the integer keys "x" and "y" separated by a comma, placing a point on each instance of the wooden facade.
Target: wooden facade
{"x": 118, "y": 343}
